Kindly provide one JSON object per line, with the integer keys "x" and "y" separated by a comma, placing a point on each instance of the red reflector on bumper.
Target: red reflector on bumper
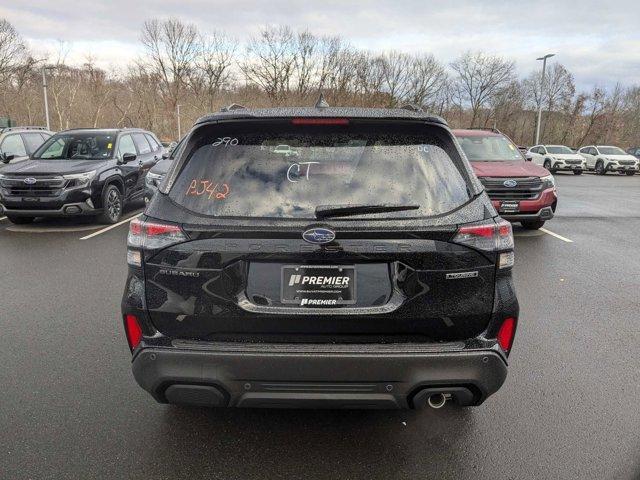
{"x": 506, "y": 333}
{"x": 134, "y": 332}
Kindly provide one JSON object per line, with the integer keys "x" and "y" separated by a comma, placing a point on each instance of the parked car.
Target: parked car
{"x": 521, "y": 191}
{"x": 80, "y": 172}
{"x": 605, "y": 158}
{"x": 157, "y": 173}
{"x": 635, "y": 151}
{"x": 384, "y": 283}
{"x": 557, "y": 158}
{"x": 285, "y": 150}
{"x": 17, "y": 143}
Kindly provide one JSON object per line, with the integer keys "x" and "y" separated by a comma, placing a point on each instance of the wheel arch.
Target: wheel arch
{"x": 113, "y": 180}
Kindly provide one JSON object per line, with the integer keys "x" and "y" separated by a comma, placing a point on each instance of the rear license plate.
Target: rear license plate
{"x": 509, "y": 207}
{"x": 318, "y": 286}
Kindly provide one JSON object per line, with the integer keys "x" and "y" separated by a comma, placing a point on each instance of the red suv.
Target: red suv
{"x": 520, "y": 190}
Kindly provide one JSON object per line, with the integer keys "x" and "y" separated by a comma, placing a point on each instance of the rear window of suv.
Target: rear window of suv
{"x": 284, "y": 170}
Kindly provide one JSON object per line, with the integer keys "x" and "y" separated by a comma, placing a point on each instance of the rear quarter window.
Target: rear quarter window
{"x": 279, "y": 170}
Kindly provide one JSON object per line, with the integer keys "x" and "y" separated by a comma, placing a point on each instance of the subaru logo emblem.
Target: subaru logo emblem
{"x": 510, "y": 183}
{"x": 30, "y": 181}
{"x": 319, "y": 235}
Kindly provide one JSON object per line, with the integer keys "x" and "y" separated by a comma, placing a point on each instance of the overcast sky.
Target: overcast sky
{"x": 598, "y": 41}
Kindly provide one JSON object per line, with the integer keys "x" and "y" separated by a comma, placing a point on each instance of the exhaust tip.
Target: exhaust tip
{"x": 437, "y": 400}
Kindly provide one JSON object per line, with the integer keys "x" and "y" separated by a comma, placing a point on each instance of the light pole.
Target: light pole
{"x": 44, "y": 88}
{"x": 179, "y": 129}
{"x": 544, "y": 66}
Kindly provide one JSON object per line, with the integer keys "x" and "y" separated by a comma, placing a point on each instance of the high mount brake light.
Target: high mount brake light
{"x": 491, "y": 237}
{"x": 506, "y": 333}
{"x": 320, "y": 121}
{"x": 150, "y": 235}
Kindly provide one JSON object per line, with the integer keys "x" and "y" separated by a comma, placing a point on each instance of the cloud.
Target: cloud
{"x": 599, "y": 45}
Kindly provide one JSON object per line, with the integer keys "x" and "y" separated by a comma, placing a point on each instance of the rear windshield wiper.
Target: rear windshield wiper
{"x": 325, "y": 211}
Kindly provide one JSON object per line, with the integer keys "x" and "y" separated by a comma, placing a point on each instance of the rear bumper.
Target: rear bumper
{"x": 317, "y": 376}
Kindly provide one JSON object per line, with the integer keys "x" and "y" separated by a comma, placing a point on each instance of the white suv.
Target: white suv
{"x": 557, "y": 157}
{"x": 604, "y": 158}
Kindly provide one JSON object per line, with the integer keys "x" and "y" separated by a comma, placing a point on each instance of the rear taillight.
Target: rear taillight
{"x": 133, "y": 330}
{"x": 491, "y": 237}
{"x": 506, "y": 333}
{"x": 150, "y": 235}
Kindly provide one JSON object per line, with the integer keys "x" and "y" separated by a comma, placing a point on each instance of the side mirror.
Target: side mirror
{"x": 128, "y": 157}
{"x": 6, "y": 158}
{"x": 165, "y": 155}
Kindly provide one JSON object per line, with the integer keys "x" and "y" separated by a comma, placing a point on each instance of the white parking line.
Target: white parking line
{"x": 564, "y": 239}
{"x": 94, "y": 234}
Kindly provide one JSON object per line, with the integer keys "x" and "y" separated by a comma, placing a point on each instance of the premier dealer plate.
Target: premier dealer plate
{"x": 318, "y": 286}
{"x": 509, "y": 206}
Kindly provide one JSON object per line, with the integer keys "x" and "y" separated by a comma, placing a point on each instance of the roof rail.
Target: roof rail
{"x": 411, "y": 107}
{"x": 232, "y": 107}
{"x": 9, "y": 129}
{"x": 491, "y": 129}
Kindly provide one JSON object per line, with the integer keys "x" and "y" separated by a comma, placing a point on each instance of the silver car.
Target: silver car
{"x": 18, "y": 143}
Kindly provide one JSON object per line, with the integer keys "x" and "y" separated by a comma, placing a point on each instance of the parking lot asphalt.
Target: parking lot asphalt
{"x": 569, "y": 409}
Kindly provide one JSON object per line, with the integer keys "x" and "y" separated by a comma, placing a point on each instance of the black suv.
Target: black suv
{"x": 367, "y": 269}
{"x": 80, "y": 172}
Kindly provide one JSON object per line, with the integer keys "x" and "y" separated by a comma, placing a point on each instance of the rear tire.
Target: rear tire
{"x": 577, "y": 172}
{"x": 600, "y": 170}
{"x": 631, "y": 173}
{"x": 111, "y": 205}
{"x": 547, "y": 165}
{"x": 21, "y": 220}
{"x": 532, "y": 224}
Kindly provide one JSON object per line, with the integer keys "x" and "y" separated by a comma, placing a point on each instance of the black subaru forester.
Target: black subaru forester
{"x": 320, "y": 257}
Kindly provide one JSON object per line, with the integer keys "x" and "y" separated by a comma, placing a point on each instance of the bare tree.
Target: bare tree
{"x": 98, "y": 90}
{"x": 171, "y": 51}
{"x": 595, "y": 107}
{"x": 12, "y": 50}
{"x": 213, "y": 66}
{"x": 630, "y": 130}
{"x": 428, "y": 80}
{"x": 270, "y": 61}
{"x": 305, "y": 62}
{"x": 480, "y": 78}
{"x": 556, "y": 93}
{"x": 395, "y": 69}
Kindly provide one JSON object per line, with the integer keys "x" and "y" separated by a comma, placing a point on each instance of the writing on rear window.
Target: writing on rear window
{"x": 299, "y": 171}
{"x": 225, "y": 142}
{"x": 273, "y": 169}
{"x": 213, "y": 190}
